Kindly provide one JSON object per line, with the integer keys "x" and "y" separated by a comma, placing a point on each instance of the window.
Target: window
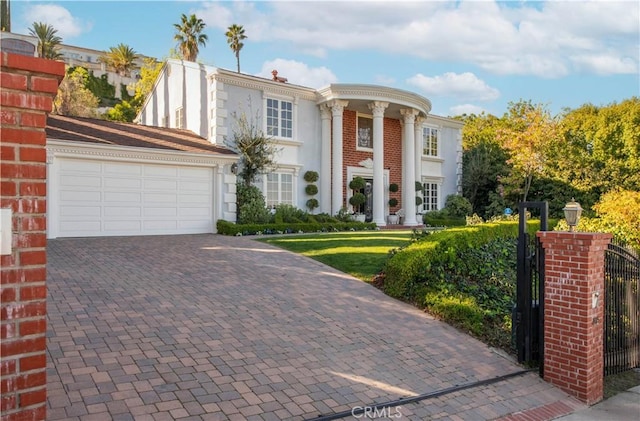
{"x": 279, "y": 189}
{"x": 430, "y": 141}
{"x": 365, "y": 132}
{"x": 179, "y": 118}
{"x": 430, "y": 195}
{"x": 279, "y": 118}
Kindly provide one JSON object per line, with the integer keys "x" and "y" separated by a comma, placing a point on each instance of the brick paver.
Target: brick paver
{"x": 205, "y": 327}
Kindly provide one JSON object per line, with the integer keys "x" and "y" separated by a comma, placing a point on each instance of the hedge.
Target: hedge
{"x": 230, "y": 228}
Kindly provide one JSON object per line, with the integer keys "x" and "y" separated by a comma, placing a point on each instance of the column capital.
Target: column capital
{"x": 420, "y": 120}
{"x": 325, "y": 111}
{"x": 378, "y": 107}
{"x": 337, "y": 106}
{"x": 409, "y": 115}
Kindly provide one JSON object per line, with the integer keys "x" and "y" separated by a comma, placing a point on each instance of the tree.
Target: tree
{"x": 190, "y": 36}
{"x": 235, "y": 36}
{"x": 121, "y": 58}
{"x": 528, "y": 136}
{"x": 127, "y": 110}
{"x": 257, "y": 151}
{"x": 73, "y": 98}
{"x": 48, "y": 41}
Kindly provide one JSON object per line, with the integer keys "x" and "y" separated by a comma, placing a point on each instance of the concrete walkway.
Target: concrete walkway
{"x": 205, "y": 327}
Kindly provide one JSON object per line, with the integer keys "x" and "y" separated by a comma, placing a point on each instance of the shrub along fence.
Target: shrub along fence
{"x": 230, "y": 228}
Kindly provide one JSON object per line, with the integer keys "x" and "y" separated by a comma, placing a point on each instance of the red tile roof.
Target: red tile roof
{"x": 105, "y": 132}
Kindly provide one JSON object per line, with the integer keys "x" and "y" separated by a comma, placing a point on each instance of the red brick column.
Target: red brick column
{"x": 27, "y": 87}
{"x": 573, "y": 326}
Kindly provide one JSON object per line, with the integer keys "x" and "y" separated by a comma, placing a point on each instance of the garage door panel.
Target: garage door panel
{"x": 121, "y": 183}
{"x": 122, "y": 197}
{"x": 161, "y": 184}
{"x": 80, "y": 196}
{"x": 123, "y": 168}
{"x": 121, "y": 211}
{"x": 98, "y": 198}
{"x": 71, "y": 180}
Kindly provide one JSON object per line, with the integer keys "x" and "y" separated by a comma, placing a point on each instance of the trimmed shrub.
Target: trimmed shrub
{"x": 311, "y": 177}
{"x": 419, "y": 186}
{"x": 393, "y": 187}
{"x": 312, "y": 204}
{"x": 311, "y": 189}
{"x": 393, "y": 202}
{"x": 229, "y": 228}
{"x": 357, "y": 183}
{"x": 458, "y": 206}
{"x": 357, "y": 199}
{"x": 251, "y": 206}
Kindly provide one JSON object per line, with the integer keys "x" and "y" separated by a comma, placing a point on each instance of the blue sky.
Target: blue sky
{"x": 465, "y": 56}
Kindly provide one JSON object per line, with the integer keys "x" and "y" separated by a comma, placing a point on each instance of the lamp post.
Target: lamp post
{"x": 572, "y": 212}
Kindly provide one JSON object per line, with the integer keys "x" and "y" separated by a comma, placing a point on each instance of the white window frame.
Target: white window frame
{"x": 427, "y": 150}
{"x": 358, "y": 147}
{"x": 427, "y": 202}
{"x": 179, "y": 118}
{"x": 271, "y": 203}
{"x": 280, "y": 119}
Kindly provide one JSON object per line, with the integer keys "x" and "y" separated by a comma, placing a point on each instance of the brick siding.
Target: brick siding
{"x": 28, "y": 86}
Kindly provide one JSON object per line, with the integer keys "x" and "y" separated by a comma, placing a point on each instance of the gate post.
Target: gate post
{"x": 574, "y": 312}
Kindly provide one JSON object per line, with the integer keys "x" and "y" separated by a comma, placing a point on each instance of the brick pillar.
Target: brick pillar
{"x": 574, "y": 312}
{"x": 27, "y": 87}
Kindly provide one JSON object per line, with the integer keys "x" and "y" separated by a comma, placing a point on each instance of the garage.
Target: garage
{"x": 99, "y": 187}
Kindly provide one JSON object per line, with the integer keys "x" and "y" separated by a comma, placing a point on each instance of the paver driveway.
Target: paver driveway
{"x": 212, "y": 327}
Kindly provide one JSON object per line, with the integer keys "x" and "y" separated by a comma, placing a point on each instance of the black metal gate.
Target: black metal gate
{"x": 528, "y": 312}
{"x": 622, "y": 310}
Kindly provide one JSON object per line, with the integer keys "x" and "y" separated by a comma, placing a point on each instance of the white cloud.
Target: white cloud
{"x": 465, "y": 109}
{"x": 60, "y": 18}
{"x": 547, "y": 39}
{"x": 298, "y": 73}
{"x": 464, "y": 85}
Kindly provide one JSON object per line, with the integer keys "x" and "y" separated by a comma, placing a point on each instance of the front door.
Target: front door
{"x": 368, "y": 205}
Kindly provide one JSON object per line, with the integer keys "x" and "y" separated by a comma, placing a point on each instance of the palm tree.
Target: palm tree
{"x": 190, "y": 36}
{"x": 121, "y": 58}
{"x": 235, "y": 35}
{"x": 48, "y": 41}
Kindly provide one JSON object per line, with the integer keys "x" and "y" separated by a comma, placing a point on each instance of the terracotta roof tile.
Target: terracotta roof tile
{"x": 128, "y": 134}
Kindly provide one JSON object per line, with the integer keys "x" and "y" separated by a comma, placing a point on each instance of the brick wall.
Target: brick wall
{"x": 392, "y": 150}
{"x": 573, "y": 326}
{"x": 28, "y": 86}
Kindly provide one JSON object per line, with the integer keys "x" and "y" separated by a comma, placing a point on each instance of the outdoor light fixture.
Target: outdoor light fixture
{"x": 234, "y": 168}
{"x": 572, "y": 212}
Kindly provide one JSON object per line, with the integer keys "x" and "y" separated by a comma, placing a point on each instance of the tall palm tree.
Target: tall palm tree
{"x": 190, "y": 36}
{"x": 48, "y": 41}
{"x": 235, "y": 35}
{"x": 121, "y": 58}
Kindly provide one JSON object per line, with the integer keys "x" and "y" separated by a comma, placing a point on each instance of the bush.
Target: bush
{"x": 442, "y": 219}
{"x": 250, "y": 205}
{"x": 393, "y": 187}
{"x": 289, "y": 214}
{"x": 311, "y": 177}
{"x": 393, "y": 202}
{"x": 311, "y": 189}
{"x": 357, "y": 183}
{"x": 418, "y": 200}
{"x": 457, "y": 206}
{"x": 419, "y": 186}
{"x": 229, "y": 228}
{"x": 357, "y": 199}
{"x": 312, "y": 204}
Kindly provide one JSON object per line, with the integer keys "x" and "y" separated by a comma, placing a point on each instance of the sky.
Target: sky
{"x": 464, "y": 56}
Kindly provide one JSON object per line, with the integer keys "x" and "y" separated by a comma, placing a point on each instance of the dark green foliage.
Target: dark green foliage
{"x": 312, "y": 204}
{"x": 289, "y": 213}
{"x": 357, "y": 199}
{"x": 439, "y": 219}
{"x": 393, "y": 187}
{"x": 311, "y": 177}
{"x": 418, "y": 200}
{"x": 311, "y": 189}
{"x": 419, "y": 186}
{"x": 250, "y": 205}
{"x": 358, "y": 183}
{"x": 457, "y": 206}
{"x": 229, "y": 228}
{"x": 393, "y": 202}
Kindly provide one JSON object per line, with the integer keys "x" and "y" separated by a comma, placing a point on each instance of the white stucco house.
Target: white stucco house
{"x": 382, "y": 134}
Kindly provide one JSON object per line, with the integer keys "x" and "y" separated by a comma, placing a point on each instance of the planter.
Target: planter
{"x": 359, "y": 217}
{"x": 392, "y": 219}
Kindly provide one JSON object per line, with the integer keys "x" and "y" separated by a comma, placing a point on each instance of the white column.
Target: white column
{"x": 378, "y": 107}
{"x": 337, "y": 201}
{"x": 408, "y": 167}
{"x": 418, "y": 153}
{"x": 325, "y": 160}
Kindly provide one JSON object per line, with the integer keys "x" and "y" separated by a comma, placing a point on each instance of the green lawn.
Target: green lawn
{"x": 361, "y": 253}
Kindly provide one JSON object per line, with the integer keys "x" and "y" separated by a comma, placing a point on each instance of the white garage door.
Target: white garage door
{"x": 100, "y": 198}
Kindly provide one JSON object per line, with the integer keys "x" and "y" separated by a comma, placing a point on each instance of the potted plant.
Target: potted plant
{"x": 358, "y": 198}
{"x": 392, "y": 218}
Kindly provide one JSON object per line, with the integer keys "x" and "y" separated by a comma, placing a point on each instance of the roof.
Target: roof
{"x": 104, "y": 132}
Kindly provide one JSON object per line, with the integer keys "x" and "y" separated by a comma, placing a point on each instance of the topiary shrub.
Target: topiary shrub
{"x": 393, "y": 202}
{"x": 418, "y": 200}
{"x": 251, "y": 207}
{"x": 357, "y": 183}
{"x": 311, "y": 177}
{"x": 419, "y": 186}
{"x": 311, "y": 189}
{"x": 312, "y": 204}
{"x": 393, "y": 187}
{"x": 357, "y": 199}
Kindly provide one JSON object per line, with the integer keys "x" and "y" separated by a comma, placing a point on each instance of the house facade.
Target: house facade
{"x": 382, "y": 134}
